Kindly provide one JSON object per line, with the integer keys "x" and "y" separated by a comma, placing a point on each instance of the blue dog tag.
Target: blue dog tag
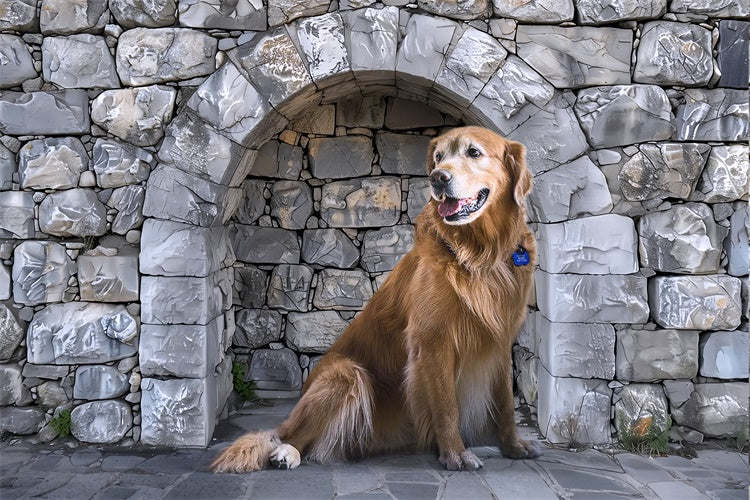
{"x": 521, "y": 257}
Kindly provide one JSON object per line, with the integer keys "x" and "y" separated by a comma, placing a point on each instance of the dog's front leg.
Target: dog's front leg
{"x": 511, "y": 445}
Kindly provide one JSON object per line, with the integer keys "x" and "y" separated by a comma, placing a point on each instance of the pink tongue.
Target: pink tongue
{"x": 449, "y": 207}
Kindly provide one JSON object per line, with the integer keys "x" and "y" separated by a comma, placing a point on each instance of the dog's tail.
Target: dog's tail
{"x": 248, "y": 453}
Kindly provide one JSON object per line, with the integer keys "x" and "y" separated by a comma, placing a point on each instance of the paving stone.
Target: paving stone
{"x": 313, "y": 331}
{"x": 733, "y": 47}
{"x": 724, "y": 355}
{"x": 673, "y": 53}
{"x": 537, "y": 11}
{"x": 257, "y": 327}
{"x": 736, "y": 244}
{"x": 80, "y": 333}
{"x": 340, "y": 157}
{"x": 275, "y": 369}
{"x": 291, "y": 203}
{"x": 65, "y": 17}
{"x": 342, "y": 289}
{"x": 100, "y": 382}
{"x": 419, "y": 195}
{"x": 368, "y": 202}
{"x": 577, "y": 57}
{"x": 599, "y": 12}
{"x": 284, "y": 11}
{"x": 321, "y": 43}
{"x": 15, "y": 61}
{"x": 223, "y": 14}
{"x": 592, "y": 480}
{"x": 13, "y": 391}
{"x": 78, "y": 61}
{"x": 711, "y": 115}
{"x": 128, "y": 201}
{"x": 52, "y": 163}
{"x": 725, "y": 177}
{"x": 569, "y": 191}
{"x": 713, "y": 9}
{"x": 592, "y": 299}
{"x": 41, "y": 270}
{"x": 404, "y": 154}
{"x": 39, "y": 113}
{"x": 11, "y": 334}
{"x": 19, "y": 15}
{"x": 329, "y": 247}
{"x": 383, "y": 248}
{"x": 138, "y": 115}
{"x": 695, "y": 302}
{"x": 184, "y": 300}
{"x": 146, "y": 13}
{"x": 190, "y": 351}
{"x": 716, "y": 410}
{"x": 250, "y": 284}
{"x": 644, "y": 105}
{"x": 527, "y": 482}
{"x": 119, "y": 164}
{"x": 146, "y": 56}
{"x": 423, "y": 49}
{"x": 289, "y": 287}
{"x": 265, "y": 245}
{"x": 576, "y": 349}
{"x": 108, "y": 279}
{"x": 651, "y": 355}
{"x": 74, "y": 212}
{"x": 22, "y": 421}
{"x": 253, "y": 203}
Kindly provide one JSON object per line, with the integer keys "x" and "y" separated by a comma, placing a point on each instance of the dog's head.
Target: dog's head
{"x": 471, "y": 169}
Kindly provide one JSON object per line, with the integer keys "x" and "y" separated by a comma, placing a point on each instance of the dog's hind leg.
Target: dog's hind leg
{"x": 248, "y": 453}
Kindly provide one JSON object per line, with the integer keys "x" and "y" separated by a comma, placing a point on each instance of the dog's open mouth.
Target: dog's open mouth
{"x": 453, "y": 209}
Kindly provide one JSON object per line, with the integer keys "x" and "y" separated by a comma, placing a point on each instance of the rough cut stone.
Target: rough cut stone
{"x": 710, "y": 8}
{"x": 41, "y": 270}
{"x": 291, "y": 203}
{"x": 368, "y": 202}
{"x": 100, "y": 382}
{"x": 423, "y": 48}
{"x": 147, "y": 13}
{"x": 289, "y": 287}
{"x": 265, "y": 245}
{"x": 339, "y": 289}
{"x": 16, "y": 214}
{"x": 277, "y": 159}
{"x": 651, "y": 355}
{"x": 577, "y": 57}
{"x": 52, "y": 163}
{"x": 383, "y": 248}
{"x": 695, "y": 302}
{"x": 371, "y": 42}
{"x": 641, "y": 408}
{"x": 146, "y": 56}
{"x": 666, "y": 170}
{"x": 684, "y": 239}
{"x": 276, "y": 369}
{"x": 137, "y": 116}
{"x": 736, "y": 245}
{"x": 537, "y": 11}
{"x": 284, "y": 11}
{"x": 673, "y": 53}
{"x": 7, "y": 168}
{"x": 19, "y": 15}
{"x": 321, "y": 42}
{"x": 21, "y": 421}
{"x": 128, "y": 201}
{"x": 108, "y": 279}
{"x": 599, "y": 12}
{"x": 605, "y": 244}
{"x": 329, "y": 247}
{"x": 64, "y": 17}
{"x": 733, "y": 49}
{"x": 117, "y": 164}
{"x": 12, "y": 390}
{"x": 724, "y": 355}
{"x": 402, "y": 153}
{"x": 340, "y": 157}
{"x": 78, "y": 61}
{"x": 572, "y": 190}
{"x": 642, "y": 113}
{"x": 16, "y": 64}
{"x": 5, "y": 286}
{"x": 712, "y": 115}
{"x": 576, "y": 349}
{"x": 38, "y": 113}
{"x": 576, "y": 298}
{"x": 716, "y": 410}
{"x": 223, "y": 14}
{"x": 11, "y": 334}
{"x": 573, "y": 410}
{"x": 726, "y": 176}
{"x": 253, "y": 203}
{"x": 472, "y": 9}
{"x": 184, "y": 300}
{"x": 190, "y": 351}
{"x": 405, "y": 114}
{"x": 367, "y": 112}
{"x": 45, "y": 371}
{"x": 250, "y": 285}
{"x": 257, "y": 327}
{"x": 75, "y": 212}
{"x": 419, "y": 195}
{"x": 80, "y": 333}
{"x": 313, "y": 331}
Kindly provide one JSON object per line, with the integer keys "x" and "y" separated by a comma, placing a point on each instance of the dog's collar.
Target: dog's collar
{"x": 520, "y": 256}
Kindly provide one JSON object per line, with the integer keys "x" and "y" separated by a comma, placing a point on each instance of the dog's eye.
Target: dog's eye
{"x": 438, "y": 157}
{"x": 473, "y": 152}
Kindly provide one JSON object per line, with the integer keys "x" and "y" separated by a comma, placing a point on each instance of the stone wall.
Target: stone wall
{"x": 183, "y": 184}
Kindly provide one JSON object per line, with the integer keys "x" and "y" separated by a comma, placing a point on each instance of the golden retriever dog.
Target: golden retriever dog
{"x": 427, "y": 364}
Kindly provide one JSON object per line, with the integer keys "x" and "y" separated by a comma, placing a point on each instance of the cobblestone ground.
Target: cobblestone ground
{"x": 77, "y": 472}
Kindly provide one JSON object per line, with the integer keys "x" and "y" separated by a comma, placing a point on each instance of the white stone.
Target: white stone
{"x": 99, "y": 382}
{"x": 103, "y": 422}
{"x": 184, "y": 300}
{"x": 74, "y": 212}
{"x": 190, "y": 351}
{"x": 321, "y": 42}
{"x": 423, "y": 48}
{"x": 108, "y": 279}
{"x": 724, "y": 355}
{"x": 651, "y": 355}
{"x": 52, "y": 163}
{"x": 726, "y": 176}
{"x": 736, "y": 244}
{"x": 41, "y": 270}
{"x": 576, "y": 349}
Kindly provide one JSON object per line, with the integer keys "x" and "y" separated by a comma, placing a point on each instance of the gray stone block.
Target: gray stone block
{"x": 642, "y": 111}
{"x": 733, "y": 49}
{"x": 684, "y": 239}
{"x": 291, "y": 203}
{"x": 45, "y": 371}
{"x": 284, "y": 11}
{"x": 223, "y": 14}
{"x": 100, "y": 382}
{"x": 41, "y": 270}
{"x": 329, "y": 247}
{"x": 710, "y": 8}
{"x": 418, "y": 196}
{"x": 257, "y": 327}
{"x": 5, "y": 282}
{"x": 369, "y": 202}
{"x": 22, "y": 421}
{"x": 128, "y": 201}
{"x": 20, "y": 15}
{"x": 147, "y": 13}
{"x": 572, "y": 298}
{"x": 289, "y": 287}
{"x": 342, "y": 290}
{"x": 321, "y": 44}
{"x": 7, "y": 168}
{"x": 673, "y": 53}
{"x": 118, "y": 164}
{"x": 726, "y": 176}
{"x": 52, "y": 163}
{"x": 405, "y": 114}
{"x": 184, "y": 300}
{"x": 39, "y": 113}
{"x": 250, "y": 285}
{"x": 724, "y": 355}
{"x": 16, "y": 214}
{"x": 340, "y": 157}
{"x": 536, "y": 11}
{"x": 78, "y": 61}
{"x": 138, "y": 116}
{"x": 383, "y": 248}
{"x": 12, "y": 390}
{"x": 716, "y": 410}
{"x": 577, "y": 57}
{"x": 600, "y": 12}
{"x": 54, "y": 394}
{"x": 641, "y": 408}
{"x": 402, "y": 153}
{"x": 265, "y": 245}
{"x": 313, "y": 331}
{"x": 80, "y": 333}
{"x": 695, "y": 302}
{"x": 576, "y": 349}
{"x": 11, "y": 334}
{"x": 63, "y": 17}
{"x": 15, "y": 61}
{"x": 74, "y": 212}
{"x": 277, "y": 159}
{"x": 472, "y": 9}
{"x": 175, "y": 249}
{"x": 108, "y": 279}
{"x": 651, "y": 355}
{"x": 712, "y": 115}
{"x": 368, "y": 112}
{"x": 423, "y": 48}
{"x": 146, "y": 56}
{"x": 276, "y": 369}
{"x": 736, "y": 244}
{"x": 190, "y": 351}
{"x": 253, "y": 203}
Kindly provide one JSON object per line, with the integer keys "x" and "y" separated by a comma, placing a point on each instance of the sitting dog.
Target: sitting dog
{"x": 427, "y": 364}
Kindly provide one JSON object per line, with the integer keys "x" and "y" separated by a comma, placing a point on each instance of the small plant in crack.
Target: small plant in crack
{"x": 644, "y": 437}
{"x": 61, "y": 423}
{"x": 245, "y": 389}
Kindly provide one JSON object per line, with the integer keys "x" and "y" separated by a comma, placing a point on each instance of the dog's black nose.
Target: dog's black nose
{"x": 440, "y": 178}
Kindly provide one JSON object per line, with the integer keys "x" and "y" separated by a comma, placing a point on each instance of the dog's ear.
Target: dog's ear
{"x": 431, "y": 156}
{"x": 515, "y": 160}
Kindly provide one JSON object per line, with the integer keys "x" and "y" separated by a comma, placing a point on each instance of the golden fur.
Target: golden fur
{"x": 427, "y": 364}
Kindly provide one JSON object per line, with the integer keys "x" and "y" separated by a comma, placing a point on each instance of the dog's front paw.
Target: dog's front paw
{"x": 285, "y": 456}
{"x": 521, "y": 449}
{"x": 466, "y": 460}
